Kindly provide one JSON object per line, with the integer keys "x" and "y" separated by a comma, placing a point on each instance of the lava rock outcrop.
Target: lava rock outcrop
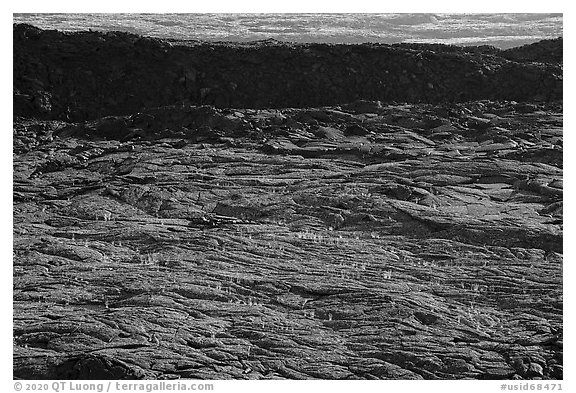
{"x": 87, "y": 75}
{"x": 167, "y": 226}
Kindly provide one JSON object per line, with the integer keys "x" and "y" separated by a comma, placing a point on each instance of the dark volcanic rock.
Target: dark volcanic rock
{"x": 269, "y": 244}
{"x": 88, "y": 75}
{"x": 546, "y": 51}
{"x": 160, "y": 233}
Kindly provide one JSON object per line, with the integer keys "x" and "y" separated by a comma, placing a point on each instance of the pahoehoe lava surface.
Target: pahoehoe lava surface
{"x": 181, "y": 211}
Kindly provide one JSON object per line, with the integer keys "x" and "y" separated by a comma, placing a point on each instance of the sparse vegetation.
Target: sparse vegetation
{"x": 364, "y": 240}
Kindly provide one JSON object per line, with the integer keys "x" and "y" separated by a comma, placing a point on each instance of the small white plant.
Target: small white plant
{"x": 105, "y": 214}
